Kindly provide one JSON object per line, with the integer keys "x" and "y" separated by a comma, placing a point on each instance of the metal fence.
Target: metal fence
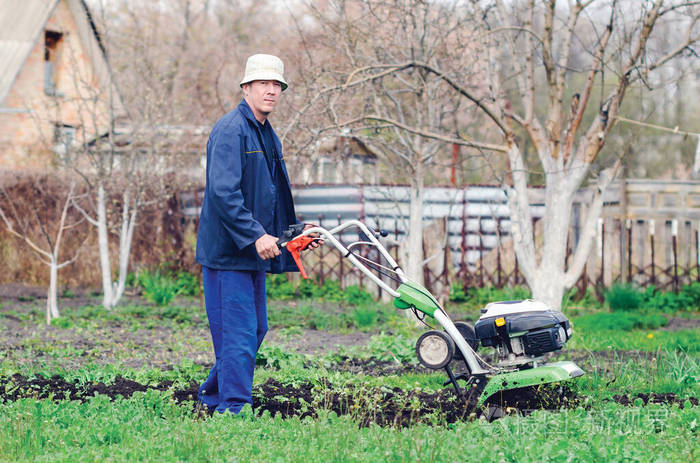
{"x": 647, "y": 235}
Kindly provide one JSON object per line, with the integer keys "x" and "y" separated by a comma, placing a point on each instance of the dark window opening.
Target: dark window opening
{"x": 51, "y": 41}
{"x": 64, "y": 133}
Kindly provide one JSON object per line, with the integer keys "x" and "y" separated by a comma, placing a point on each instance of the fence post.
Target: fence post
{"x": 498, "y": 253}
{"x": 652, "y": 225}
{"x": 628, "y": 224}
{"x": 697, "y": 253}
{"x": 463, "y": 244}
{"x": 601, "y": 251}
{"x": 322, "y": 277}
{"x": 674, "y": 241}
{"x": 446, "y": 260}
{"x": 568, "y": 251}
{"x": 481, "y": 256}
{"x": 341, "y": 274}
{"x": 396, "y": 239}
{"x": 426, "y": 270}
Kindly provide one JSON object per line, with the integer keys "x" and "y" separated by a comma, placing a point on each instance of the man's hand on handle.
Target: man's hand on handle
{"x": 313, "y": 244}
{"x": 266, "y": 246}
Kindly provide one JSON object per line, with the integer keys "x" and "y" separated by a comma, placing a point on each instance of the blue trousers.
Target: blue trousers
{"x": 237, "y": 312}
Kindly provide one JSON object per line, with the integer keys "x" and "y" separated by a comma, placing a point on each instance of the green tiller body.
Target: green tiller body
{"x": 521, "y": 332}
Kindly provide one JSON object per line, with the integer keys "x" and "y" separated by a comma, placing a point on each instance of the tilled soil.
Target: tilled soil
{"x": 383, "y": 406}
{"x": 374, "y": 367}
{"x": 18, "y": 386}
{"x": 654, "y": 398}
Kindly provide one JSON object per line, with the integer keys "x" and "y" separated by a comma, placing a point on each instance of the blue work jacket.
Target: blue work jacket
{"x": 241, "y": 200}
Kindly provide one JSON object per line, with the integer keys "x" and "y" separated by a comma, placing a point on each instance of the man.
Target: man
{"x": 247, "y": 204}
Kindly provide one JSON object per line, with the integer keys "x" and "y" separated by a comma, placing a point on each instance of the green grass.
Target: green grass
{"x": 149, "y": 427}
{"x": 664, "y": 372}
{"x": 643, "y": 340}
{"x": 630, "y": 331}
{"x": 333, "y": 316}
{"x": 620, "y": 321}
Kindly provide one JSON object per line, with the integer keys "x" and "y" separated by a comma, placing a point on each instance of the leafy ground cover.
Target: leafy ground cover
{"x": 330, "y": 385}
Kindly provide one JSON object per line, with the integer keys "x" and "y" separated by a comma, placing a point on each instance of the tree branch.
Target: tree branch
{"x": 426, "y": 134}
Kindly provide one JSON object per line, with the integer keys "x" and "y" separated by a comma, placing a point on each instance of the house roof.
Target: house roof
{"x": 21, "y": 27}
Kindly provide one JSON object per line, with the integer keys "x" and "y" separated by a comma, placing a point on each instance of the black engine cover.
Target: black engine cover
{"x": 540, "y": 328}
{"x": 542, "y": 341}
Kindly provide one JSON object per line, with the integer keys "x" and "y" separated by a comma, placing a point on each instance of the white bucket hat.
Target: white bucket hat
{"x": 264, "y": 67}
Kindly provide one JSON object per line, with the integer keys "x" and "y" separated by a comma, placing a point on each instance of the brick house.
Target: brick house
{"x": 55, "y": 85}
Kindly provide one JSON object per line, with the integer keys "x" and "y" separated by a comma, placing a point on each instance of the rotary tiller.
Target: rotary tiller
{"x": 521, "y": 332}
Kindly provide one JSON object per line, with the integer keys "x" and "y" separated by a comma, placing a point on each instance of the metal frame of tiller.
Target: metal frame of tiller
{"x": 410, "y": 295}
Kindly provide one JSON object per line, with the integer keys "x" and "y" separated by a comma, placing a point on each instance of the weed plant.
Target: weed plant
{"x": 392, "y": 347}
{"x": 629, "y": 297}
{"x": 623, "y": 297}
{"x": 162, "y": 286}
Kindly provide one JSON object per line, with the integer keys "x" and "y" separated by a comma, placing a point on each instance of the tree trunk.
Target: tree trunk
{"x": 103, "y": 246}
{"x": 125, "y": 240}
{"x": 414, "y": 265}
{"x": 51, "y": 297}
{"x": 548, "y": 290}
{"x": 549, "y": 285}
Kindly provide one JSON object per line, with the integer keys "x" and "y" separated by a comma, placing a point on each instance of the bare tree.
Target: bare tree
{"x": 41, "y": 219}
{"x": 526, "y": 52}
{"x": 403, "y": 113}
{"x": 124, "y": 158}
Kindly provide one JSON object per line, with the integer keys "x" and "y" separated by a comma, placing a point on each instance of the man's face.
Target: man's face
{"x": 262, "y": 97}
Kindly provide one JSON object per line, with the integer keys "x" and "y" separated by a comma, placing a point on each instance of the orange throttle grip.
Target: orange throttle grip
{"x": 295, "y": 247}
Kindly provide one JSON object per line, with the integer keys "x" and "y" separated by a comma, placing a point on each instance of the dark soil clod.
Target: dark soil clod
{"x": 654, "y": 398}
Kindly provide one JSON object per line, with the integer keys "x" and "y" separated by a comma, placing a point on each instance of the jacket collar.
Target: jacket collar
{"x": 244, "y": 108}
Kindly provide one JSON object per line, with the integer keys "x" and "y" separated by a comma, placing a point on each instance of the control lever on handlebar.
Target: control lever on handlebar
{"x": 295, "y": 243}
{"x": 289, "y": 233}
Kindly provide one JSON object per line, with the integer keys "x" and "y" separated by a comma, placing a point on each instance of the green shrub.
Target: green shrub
{"x": 691, "y": 296}
{"x": 654, "y": 299}
{"x": 132, "y": 280}
{"x": 187, "y": 284}
{"x": 365, "y": 317}
{"x": 330, "y": 291}
{"x": 62, "y": 322}
{"x": 623, "y": 297}
{"x": 278, "y": 287}
{"x": 308, "y": 289}
{"x": 457, "y": 293}
{"x": 157, "y": 288}
{"x": 354, "y": 295}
